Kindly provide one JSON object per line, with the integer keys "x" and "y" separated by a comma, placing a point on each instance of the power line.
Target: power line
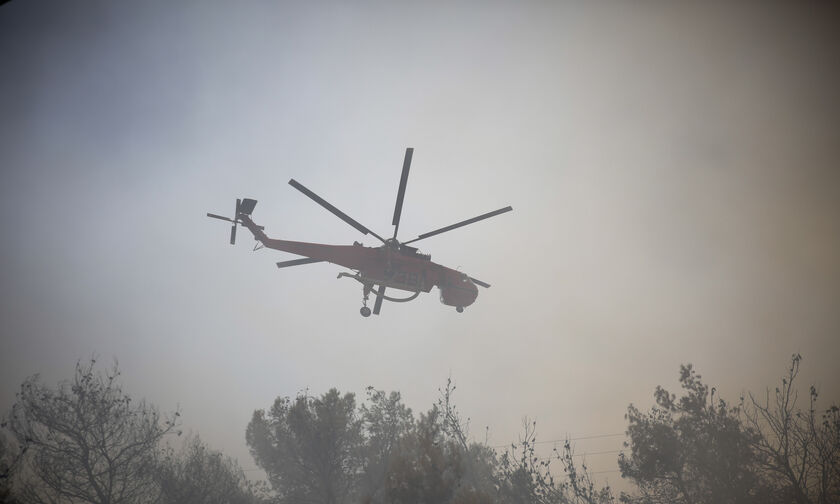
{"x": 598, "y": 453}
{"x": 605, "y": 472}
{"x": 566, "y": 439}
{"x": 580, "y": 438}
{"x": 556, "y": 457}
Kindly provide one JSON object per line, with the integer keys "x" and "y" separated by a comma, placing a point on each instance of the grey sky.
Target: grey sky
{"x": 672, "y": 167}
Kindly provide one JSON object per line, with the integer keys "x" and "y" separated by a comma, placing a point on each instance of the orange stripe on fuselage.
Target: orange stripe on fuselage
{"x": 381, "y": 265}
{"x": 374, "y": 263}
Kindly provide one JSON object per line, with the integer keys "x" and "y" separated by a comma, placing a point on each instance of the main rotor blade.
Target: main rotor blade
{"x": 379, "y": 296}
{"x": 298, "y": 262}
{"x": 335, "y": 211}
{"x": 461, "y": 224}
{"x": 479, "y": 282}
{"x": 219, "y": 217}
{"x": 401, "y": 192}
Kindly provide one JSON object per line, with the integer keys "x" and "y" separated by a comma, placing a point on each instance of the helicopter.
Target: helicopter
{"x": 393, "y": 264}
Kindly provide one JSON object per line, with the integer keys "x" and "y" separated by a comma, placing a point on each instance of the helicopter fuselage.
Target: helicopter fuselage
{"x": 386, "y": 265}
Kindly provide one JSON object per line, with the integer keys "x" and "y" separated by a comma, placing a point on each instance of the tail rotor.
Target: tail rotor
{"x": 236, "y": 216}
{"x": 245, "y": 207}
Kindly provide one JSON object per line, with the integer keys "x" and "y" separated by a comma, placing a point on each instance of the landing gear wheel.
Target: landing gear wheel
{"x": 459, "y": 309}
{"x": 365, "y": 311}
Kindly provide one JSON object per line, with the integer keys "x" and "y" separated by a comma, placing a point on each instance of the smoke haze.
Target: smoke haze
{"x": 673, "y": 170}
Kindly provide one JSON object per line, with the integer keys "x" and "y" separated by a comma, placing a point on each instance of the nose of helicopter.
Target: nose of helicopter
{"x": 459, "y": 292}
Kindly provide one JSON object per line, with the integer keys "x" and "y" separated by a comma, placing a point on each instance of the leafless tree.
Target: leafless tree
{"x": 86, "y": 441}
{"x": 525, "y": 477}
{"x": 579, "y": 484}
{"x": 799, "y": 451}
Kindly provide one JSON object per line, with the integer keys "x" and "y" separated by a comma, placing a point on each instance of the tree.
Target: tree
{"x": 86, "y": 441}
{"x": 696, "y": 450}
{"x": 11, "y": 456}
{"x": 523, "y": 477}
{"x": 199, "y": 475}
{"x": 431, "y": 466}
{"x": 579, "y": 485}
{"x": 437, "y": 463}
{"x": 428, "y": 467}
{"x": 479, "y": 460}
{"x": 310, "y": 448}
{"x": 798, "y": 451}
{"x": 386, "y": 421}
{"x": 690, "y": 450}
{"x": 323, "y": 450}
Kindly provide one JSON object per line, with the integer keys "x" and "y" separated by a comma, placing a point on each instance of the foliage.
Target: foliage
{"x": 310, "y": 448}
{"x": 86, "y": 441}
{"x": 479, "y": 460}
{"x": 383, "y": 454}
{"x": 386, "y": 422}
{"x": 696, "y": 449}
{"x": 689, "y": 450}
{"x": 432, "y": 461}
{"x": 200, "y": 475}
{"x": 427, "y": 468}
{"x": 11, "y": 456}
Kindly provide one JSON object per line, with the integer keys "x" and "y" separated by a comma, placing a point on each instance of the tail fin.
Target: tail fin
{"x": 247, "y": 206}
